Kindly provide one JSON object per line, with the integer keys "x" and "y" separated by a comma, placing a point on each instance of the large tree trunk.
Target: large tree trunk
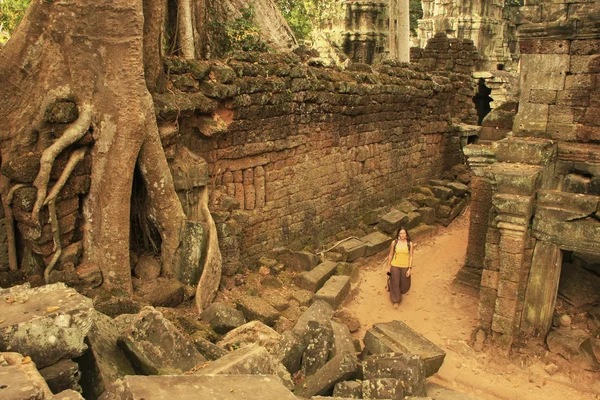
{"x": 92, "y": 53}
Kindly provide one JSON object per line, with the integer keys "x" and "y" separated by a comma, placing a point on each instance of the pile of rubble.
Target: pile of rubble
{"x": 56, "y": 346}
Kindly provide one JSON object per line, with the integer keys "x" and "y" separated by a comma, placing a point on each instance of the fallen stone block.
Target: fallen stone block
{"x": 208, "y": 349}
{"x": 20, "y": 379}
{"x": 348, "y": 389}
{"x": 63, "y": 375}
{"x": 222, "y": 318}
{"x": 454, "y": 211}
{"x": 407, "y": 368}
{"x": 340, "y": 368}
{"x": 574, "y": 345}
{"x": 352, "y": 249}
{"x": 319, "y": 339}
{"x": 147, "y": 339}
{"x": 342, "y": 340}
{"x": 303, "y": 297}
{"x": 47, "y": 323}
{"x": 254, "y": 332}
{"x": 68, "y": 394}
{"x": 397, "y": 337}
{"x": 296, "y": 260}
{"x": 376, "y": 242}
{"x": 162, "y": 292}
{"x": 103, "y": 362}
{"x": 318, "y": 311}
{"x": 427, "y": 215}
{"x": 278, "y": 302}
{"x": 253, "y": 360}
{"x": 334, "y": 291}
{"x": 414, "y": 219}
{"x": 193, "y": 387}
{"x": 255, "y": 308}
{"x": 391, "y": 221}
{"x": 383, "y": 388}
{"x": 313, "y": 280}
{"x": 442, "y": 192}
{"x": 289, "y": 351}
{"x": 458, "y": 189}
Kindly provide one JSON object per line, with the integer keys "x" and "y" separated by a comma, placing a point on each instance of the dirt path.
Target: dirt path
{"x": 446, "y": 314}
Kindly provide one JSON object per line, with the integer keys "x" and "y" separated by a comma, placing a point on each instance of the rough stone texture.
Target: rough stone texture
{"x": 334, "y": 291}
{"x": 439, "y": 392}
{"x": 383, "y": 388}
{"x": 348, "y": 389}
{"x": 340, "y": 368}
{"x": 390, "y": 222}
{"x": 319, "y": 339}
{"x": 208, "y": 349}
{"x": 352, "y": 249}
{"x": 252, "y": 359}
{"x": 68, "y": 395}
{"x": 289, "y": 351}
{"x": 256, "y": 308}
{"x": 376, "y": 242}
{"x": 252, "y": 332}
{"x": 191, "y": 387}
{"x": 161, "y": 292}
{"x": 222, "y": 318}
{"x": 408, "y": 368}
{"x": 47, "y": 323}
{"x": 104, "y": 362}
{"x": 148, "y": 337}
{"x": 342, "y": 340}
{"x": 20, "y": 379}
{"x": 319, "y": 311}
{"x": 397, "y": 337}
{"x": 62, "y": 376}
{"x": 575, "y": 345}
{"x": 313, "y": 280}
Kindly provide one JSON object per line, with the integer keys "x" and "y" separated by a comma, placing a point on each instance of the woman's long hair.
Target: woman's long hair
{"x": 407, "y": 236}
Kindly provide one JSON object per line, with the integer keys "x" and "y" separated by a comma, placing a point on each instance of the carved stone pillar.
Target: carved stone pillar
{"x": 399, "y": 30}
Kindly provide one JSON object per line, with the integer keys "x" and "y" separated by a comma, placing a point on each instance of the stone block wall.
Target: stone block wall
{"x": 443, "y": 53}
{"x": 306, "y": 151}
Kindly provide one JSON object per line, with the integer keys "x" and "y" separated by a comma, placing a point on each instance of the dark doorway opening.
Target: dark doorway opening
{"x": 482, "y": 100}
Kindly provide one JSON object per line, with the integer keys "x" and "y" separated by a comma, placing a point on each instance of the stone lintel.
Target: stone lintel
{"x": 580, "y": 204}
{"x": 515, "y": 179}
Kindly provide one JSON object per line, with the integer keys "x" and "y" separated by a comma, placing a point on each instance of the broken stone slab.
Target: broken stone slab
{"x": 148, "y": 337}
{"x": 47, "y": 323}
{"x": 342, "y": 340}
{"x": 574, "y": 345}
{"x": 254, "y": 332}
{"x": 296, "y": 260}
{"x": 252, "y": 359}
{"x": 427, "y": 215}
{"x": 334, "y": 291}
{"x": 289, "y": 351}
{"x": 348, "y": 389}
{"x": 458, "y": 189}
{"x": 20, "y": 379}
{"x": 319, "y": 339}
{"x": 104, "y": 362}
{"x": 193, "y": 387}
{"x": 414, "y": 219}
{"x": 62, "y": 376}
{"x": 278, "y": 302}
{"x": 68, "y": 394}
{"x": 442, "y": 192}
{"x": 303, "y": 297}
{"x": 408, "y": 368}
{"x": 397, "y": 337}
{"x": 222, "y": 318}
{"x": 352, "y": 249}
{"x": 383, "y": 388}
{"x": 340, "y": 368}
{"x": 255, "y": 308}
{"x": 376, "y": 242}
{"x": 390, "y": 222}
{"x": 208, "y": 349}
{"x": 318, "y": 311}
{"x": 313, "y": 280}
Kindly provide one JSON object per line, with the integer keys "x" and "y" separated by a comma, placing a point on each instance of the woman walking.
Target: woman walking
{"x": 399, "y": 266}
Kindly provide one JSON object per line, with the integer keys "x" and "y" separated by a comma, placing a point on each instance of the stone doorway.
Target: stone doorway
{"x": 482, "y": 100}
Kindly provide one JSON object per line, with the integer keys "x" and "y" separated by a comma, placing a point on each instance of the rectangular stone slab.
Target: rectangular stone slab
{"x": 314, "y": 279}
{"x": 397, "y": 337}
{"x": 376, "y": 242}
{"x": 352, "y": 249}
{"x": 334, "y": 291}
{"x": 214, "y": 387}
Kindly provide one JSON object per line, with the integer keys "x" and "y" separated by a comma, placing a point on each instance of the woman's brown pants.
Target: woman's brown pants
{"x": 399, "y": 284}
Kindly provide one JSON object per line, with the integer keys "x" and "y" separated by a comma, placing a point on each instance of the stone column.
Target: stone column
{"x": 399, "y": 30}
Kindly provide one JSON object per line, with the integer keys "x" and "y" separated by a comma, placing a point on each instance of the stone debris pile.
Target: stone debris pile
{"x": 82, "y": 353}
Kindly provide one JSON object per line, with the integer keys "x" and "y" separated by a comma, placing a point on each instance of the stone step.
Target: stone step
{"x": 334, "y": 291}
{"x": 313, "y": 280}
{"x": 191, "y": 387}
{"x": 352, "y": 249}
{"x": 397, "y": 337}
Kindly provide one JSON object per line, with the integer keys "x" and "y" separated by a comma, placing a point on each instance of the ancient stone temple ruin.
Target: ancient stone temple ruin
{"x": 534, "y": 221}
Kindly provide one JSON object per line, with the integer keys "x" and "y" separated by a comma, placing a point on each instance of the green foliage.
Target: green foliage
{"x": 416, "y": 13}
{"x": 514, "y": 3}
{"x": 241, "y": 33}
{"x": 300, "y": 15}
{"x": 11, "y": 12}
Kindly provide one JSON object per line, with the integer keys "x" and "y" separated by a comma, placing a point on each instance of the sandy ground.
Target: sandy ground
{"x": 446, "y": 314}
